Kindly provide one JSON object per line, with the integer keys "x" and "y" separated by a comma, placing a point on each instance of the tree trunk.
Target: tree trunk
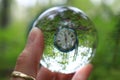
{"x": 4, "y": 13}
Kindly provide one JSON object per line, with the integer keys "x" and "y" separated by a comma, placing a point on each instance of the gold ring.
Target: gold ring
{"x": 17, "y": 74}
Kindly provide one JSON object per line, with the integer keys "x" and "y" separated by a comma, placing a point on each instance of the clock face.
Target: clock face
{"x": 65, "y": 39}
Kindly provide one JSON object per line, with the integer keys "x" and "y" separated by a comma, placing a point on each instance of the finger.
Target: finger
{"x": 61, "y": 76}
{"x": 45, "y": 74}
{"x": 28, "y": 60}
{"x": 83, "y": 73}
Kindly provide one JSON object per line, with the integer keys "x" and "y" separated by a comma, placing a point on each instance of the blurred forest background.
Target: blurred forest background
{"x": 16, "y": 17}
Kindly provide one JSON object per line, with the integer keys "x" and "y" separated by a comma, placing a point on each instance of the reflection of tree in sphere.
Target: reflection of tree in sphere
{"x": 70, "y": 39}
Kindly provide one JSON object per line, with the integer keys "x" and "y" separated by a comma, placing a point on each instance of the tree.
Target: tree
{"x": 4, "y": 13}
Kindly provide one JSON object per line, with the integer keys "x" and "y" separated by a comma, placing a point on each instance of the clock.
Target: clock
{"x": 65, "y": 39}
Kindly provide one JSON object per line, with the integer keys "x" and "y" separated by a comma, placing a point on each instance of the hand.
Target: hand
{"x": 28, "y": 61}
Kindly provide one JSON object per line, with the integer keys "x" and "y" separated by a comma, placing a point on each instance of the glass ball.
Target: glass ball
{"x": 70, "y": 39}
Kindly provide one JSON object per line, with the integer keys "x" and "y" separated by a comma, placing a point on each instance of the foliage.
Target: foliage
{"x": 105, "y": 69}
{"x": 12, "y": 41}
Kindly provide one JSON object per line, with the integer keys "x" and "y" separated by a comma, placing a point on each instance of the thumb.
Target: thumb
{"x": 28, "y": 60}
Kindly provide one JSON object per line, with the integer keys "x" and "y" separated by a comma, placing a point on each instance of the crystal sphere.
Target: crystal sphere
{"x": 70, "y": 39}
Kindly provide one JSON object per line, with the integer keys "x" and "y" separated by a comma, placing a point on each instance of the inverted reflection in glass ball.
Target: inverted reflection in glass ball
{"x": 70, "y": 39}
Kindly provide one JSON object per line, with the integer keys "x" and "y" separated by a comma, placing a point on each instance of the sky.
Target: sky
{"x": 97, "y": 2}
{"x": 32, "y": 3}
{"x": 28, "y": 3}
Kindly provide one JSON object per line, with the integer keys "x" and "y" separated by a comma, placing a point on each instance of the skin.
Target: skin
{"x": 28, "y": 61}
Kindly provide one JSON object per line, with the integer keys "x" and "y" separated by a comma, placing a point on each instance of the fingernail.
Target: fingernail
{"x": 32, "y": 35}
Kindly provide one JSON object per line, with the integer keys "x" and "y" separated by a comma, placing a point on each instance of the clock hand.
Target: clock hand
{"x": 67, "y": 39}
